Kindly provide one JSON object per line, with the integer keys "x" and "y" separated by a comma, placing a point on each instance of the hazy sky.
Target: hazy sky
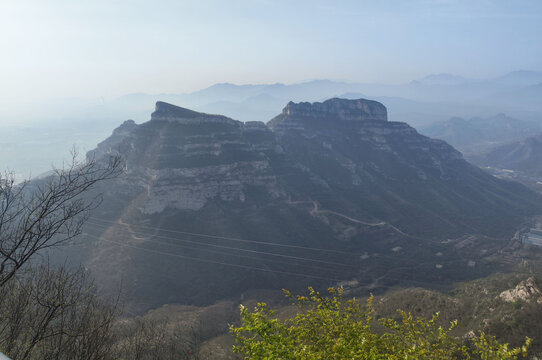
{"x": 94, "y": 48}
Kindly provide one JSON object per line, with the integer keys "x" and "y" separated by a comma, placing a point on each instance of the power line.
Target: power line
{"x": 226, "y": 247}
{"x": 139, "y": 233}
{"x": 367, "y": 287}
{"x": 339, "y": 272}
{"x": 254, "y": 251}
{"x": 229, "y": 238}
{"x": 218, "y": 262}
{"x": 234, "y": 248}
{"x": 384, "y": 277}
{"x": 404, "y": 280}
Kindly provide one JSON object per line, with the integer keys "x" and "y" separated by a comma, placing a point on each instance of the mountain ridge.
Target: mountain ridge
{"x": 524, "y": 155}
{"x": 477, "y": 135}
{"x": 335, "y": 176}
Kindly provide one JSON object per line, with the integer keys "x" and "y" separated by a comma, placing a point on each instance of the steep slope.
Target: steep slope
{"x": 386, "y": 169}
{"x": 210, "y": 207}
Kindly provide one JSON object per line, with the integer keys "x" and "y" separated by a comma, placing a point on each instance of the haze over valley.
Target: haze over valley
{"x": 425, "y": 104}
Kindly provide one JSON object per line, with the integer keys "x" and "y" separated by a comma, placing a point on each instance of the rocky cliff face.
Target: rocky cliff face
{"x": 298, "y": 116}
{"x": 337, "y": 176}
{"x": 167, "y": 112}
{"x": 181, "y": 159}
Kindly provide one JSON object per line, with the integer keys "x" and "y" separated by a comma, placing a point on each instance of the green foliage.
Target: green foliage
{"x": 488, "y": 348}
{"x": 333, "y": 328}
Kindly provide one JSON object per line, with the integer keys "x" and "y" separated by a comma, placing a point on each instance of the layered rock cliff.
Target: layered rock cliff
{"x": 181, "y": 159}
{"x": 324, "y": 192}
{"x": 298, "y": 116}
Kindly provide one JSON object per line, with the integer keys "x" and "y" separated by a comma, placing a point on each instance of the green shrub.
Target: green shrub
{"x": 332, "y": 328}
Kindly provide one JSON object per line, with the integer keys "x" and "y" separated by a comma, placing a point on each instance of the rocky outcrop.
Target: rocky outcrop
{"x": 167, "y": 112}
{"x": 110, "y": 144}
{"x": 192, "y": 188}
{"x": 338, "y": 109}
{"x": 337, "y": 122}
{"x": 526, "y": 290}
{"x": 298, "y": 116}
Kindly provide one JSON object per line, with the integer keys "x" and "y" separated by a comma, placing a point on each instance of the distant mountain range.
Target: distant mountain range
{"x": 479, "y": 135}
{"x": 210, "y": 207}
{"x": 420, "y": 103}
{"x": 520, "y": 78}
{"x": 261, "y": 102}
{"x": 514, "y": 78}
{"x": 445, "y": 79}
{"x": 524, "y": 156}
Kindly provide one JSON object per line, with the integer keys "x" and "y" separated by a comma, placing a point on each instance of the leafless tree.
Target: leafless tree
{"x": 161, "y": 336}
{"x": 156, "y": 339}
{"x": 55, "y": 313}
{"x": 39, "y": 214}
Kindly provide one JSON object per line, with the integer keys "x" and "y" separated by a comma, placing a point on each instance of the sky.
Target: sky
{"x": 76, "y": 49}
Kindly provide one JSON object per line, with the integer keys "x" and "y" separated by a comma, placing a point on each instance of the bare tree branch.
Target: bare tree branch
{"x": 54, "y": 313}
{"x": 36, "y": 215}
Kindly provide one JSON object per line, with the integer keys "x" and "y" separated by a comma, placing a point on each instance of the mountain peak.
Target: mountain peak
{"x": 168, "y": 112}
{"x": 163, "y": 109}
{"x": 340, "y": 109}
{"x": 334, "y": 110}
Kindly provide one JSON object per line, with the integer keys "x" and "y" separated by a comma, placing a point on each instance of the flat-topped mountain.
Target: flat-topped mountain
{"x": 210, "y": 207}
{"x": 333, "y": 110}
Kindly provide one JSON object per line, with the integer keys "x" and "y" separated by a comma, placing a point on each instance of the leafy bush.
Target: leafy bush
{"x": 330, "y": 327}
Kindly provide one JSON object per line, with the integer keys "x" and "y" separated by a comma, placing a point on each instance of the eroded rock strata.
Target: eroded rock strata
{"x": 336, "y": 175}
